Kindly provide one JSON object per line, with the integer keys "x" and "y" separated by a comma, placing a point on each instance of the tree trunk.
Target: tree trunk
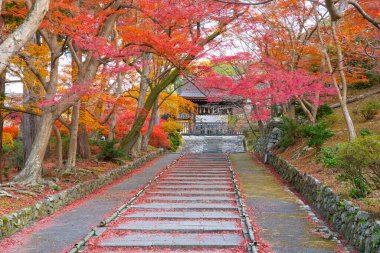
{"x": 15, "y": 41}
{"x": 59, "y": 147}
{"x": 343, "y": 98}
{"x": 29, "y": 125}
{"x": 341, "y": 91}
{"x": 83, "y": 143}
{"x": 144, "y": 82}
{"x": 152, "y": 123}
{"x": 2, "y": 94}
{"x": 72, "y": 152}
{"x": 113, "y": 118}
{"x": 131, "y": 138}
{"x": 113, "y": 121}
{"x": 31, "y": 173}
{"x": 357, "y": 98}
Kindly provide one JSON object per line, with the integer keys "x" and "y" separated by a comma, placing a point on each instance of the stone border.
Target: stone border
{"x": 358, "y": 227}
{"x": 11, "y": 223}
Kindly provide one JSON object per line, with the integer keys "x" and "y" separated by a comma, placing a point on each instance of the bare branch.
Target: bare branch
{"x": 364, "y": 14}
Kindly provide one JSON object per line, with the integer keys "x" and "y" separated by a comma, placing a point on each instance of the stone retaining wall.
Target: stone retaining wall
{"x": 9, "y": 224}
{"x": 358, "y": 227}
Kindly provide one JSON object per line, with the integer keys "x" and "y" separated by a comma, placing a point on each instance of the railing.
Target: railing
{"x": 209, "y": 128}
{"x": 214, "y": 110}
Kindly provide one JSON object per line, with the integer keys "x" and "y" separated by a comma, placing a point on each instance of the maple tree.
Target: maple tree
{"x": 114, "y": 66}
{"x": 17, "y": 38}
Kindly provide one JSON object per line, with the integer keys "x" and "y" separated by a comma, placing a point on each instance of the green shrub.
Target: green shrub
{"x": 329, "y": 120}
{"x": 360, "y": 162}
{"x": 365, "y": 132}
{"x": 290, "y": 130}
{"x": 175, "y": 139}
{"x": 324, "y": 110}
{"x": 16, "y": 154}
{"x": 108, "y": 151}
{"x": 317, "y": 134}
{"x": 370, "y": 109}
{"x": 328, "y": 157}
{"x": 360, "y": 189}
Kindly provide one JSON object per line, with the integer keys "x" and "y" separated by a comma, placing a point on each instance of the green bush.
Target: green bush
{"x": 360, "y": 189}
{"x": 329, "y": 120}
{"x": 290, "y": 130}
{"x": 108, "y": 151}
{"x": 324, "y": 110}
{"x": 365, "y": 132}
{"x": 328, "y": 157}
{"x": 175, "y": 139}
{"x": 16, "y": 154}
{"x": 360, "y": 162}
{"x": 370, "y": 109}
{"x": 317, "y": 134}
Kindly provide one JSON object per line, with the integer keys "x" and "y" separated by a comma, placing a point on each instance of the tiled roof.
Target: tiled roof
{"x": 192, "y": 91}
{"x": 189, "y": 90}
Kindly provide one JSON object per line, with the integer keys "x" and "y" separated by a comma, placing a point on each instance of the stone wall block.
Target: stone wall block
{"x": 358, "y": 227}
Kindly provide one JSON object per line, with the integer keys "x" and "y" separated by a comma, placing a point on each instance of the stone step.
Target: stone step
{"x": 211, "y": 170}
{"x": 200, "y": 205}
{"x": 171, "y": 250}
{"x": 191, "y": 198}
{"x": 184, "y": 215}
{"x": 198, "y": 178}
{"x": 200, "y": 173}
{"x": 201, "y": 186}
{"x": 192, "y": 182}
{"x": 184, "y": 226}
{"x": 193, "y": 192}
{"x": 224, "y": 175}
{"x": 179, "y": 240}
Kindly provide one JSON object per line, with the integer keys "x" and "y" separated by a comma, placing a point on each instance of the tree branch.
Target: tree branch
{"x": 34, "y": 70}
{"x": 364, "y": 14}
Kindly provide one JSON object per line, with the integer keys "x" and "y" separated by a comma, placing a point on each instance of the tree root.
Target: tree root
{"x": 5, "y": 194}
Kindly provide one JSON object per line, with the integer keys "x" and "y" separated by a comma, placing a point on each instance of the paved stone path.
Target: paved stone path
{"x": 286, "y": 225}
{"x": 193, "y": 207}
{"x": 66, "y": 228}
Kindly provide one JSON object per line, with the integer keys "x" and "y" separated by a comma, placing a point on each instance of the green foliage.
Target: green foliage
{"x": 290, "y": 132}
{"x": 324, "y": 110}
{"x": 175, "y": 139}
{"x": 108, "y": 151}
{"x": 329, "y": 120}
{"x": 317, "y": 134}
{"x": 173, "y": 130}
{"x": 370, "y": 109}
{"x": 360, "y": 162}
{"x": 16, "y": 154}
{"x": 360, "y": 189}
{"x": 55, "y": 187}
{"x": 365, "y": 132}
{"x": 328, "y": 157}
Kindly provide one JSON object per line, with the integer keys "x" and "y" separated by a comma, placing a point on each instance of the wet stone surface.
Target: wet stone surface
{"x": 286, "y": 227}
{"x": 180, "y": 212}
{"x": 175, "y": 240}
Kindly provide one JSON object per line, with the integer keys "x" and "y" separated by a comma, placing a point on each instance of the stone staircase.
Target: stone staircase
{"x": 194, "y": 207}
{"x": 213, "y": 144}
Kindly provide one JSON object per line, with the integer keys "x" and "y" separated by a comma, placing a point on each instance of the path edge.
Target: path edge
{"x": 358, "y": 227}
{"x": 14, "y": 222}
